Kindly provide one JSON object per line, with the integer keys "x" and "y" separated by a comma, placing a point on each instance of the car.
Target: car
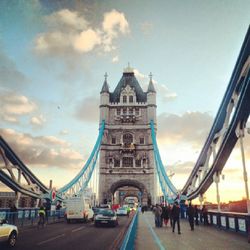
{"x": 106, "y": 217}
{"x": 8, "y": 233}
{"x": 122, "y": 211}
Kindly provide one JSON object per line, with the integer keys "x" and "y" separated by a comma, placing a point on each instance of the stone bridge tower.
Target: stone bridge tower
{"x": 126, "y": 154}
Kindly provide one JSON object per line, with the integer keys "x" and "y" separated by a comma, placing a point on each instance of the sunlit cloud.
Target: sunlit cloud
{"x": 81, "y": 37}
{"x": 42, "y": 151}
{"x": 14, "y": 105}
{"x": 115, "y": 59}
{"x": 38, "y": 120}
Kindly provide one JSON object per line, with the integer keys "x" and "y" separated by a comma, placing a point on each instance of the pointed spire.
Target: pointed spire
{"x": 151, "y": 87}
{"x": 105, "y": 87}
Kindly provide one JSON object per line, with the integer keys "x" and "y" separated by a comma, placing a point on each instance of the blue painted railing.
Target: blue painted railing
{"x": 129, "y": 240}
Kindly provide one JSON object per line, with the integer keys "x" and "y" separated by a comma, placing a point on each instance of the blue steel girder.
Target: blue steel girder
{"x": 79, "y": 183}
{"x": 233, "y": 112}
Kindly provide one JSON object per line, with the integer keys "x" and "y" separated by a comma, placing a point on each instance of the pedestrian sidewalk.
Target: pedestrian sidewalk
{"x": 203, "y": 237}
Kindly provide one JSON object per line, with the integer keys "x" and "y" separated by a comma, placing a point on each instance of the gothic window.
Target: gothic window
{"x": 117, "y": 163}
{"x": 127, "y": 162}
{"x": 118, "y": 111}
{"x": 131, "y": 111}
{"x": 138, "y": 163}
{"x": 127, "y": 139}
{"x": 141, "y": 140}
{"x": 124, "y": 111}
{"x": 131, "y": 99}
{"x": 113, "y": 140}
{"x": 124, "y": 99}
{"x": 137, "y": 111}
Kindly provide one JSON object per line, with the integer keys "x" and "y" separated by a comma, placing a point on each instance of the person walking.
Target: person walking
{"x": 157, "y": 211}
{"x": 196, "y": 215}
{"x": 170, "y": 207}
{"x": 205, "y": 215}
{"x": 190, "y": 213}
{"x": 164, "y": 215}
{"x": 176, "y": 216}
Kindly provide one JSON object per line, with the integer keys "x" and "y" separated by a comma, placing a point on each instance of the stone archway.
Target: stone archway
{"x": 144, "y": 195}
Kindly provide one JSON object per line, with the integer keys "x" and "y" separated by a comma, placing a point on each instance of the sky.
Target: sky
{"x": 53, "y": 57}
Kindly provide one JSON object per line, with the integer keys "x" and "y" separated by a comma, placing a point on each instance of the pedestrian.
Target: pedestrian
{"x": 165, "y": 215}
{"x": 205, "y": 215}
{"x": 142, "y": 209}
{"x": 176, "y": 216}
{"x": 170, "y": 214}
{"x": 196, "y": 215}
{"x": 157, "y": 212}
{"x": 41, "y": 213}
{"x": 190, "y": 213}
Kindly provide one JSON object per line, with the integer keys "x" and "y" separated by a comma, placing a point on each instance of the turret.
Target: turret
{"x": 151, "y": 100}
{"x": 104, "y": 100}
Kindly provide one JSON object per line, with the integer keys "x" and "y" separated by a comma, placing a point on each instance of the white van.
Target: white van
{"x": 79, "y": 208}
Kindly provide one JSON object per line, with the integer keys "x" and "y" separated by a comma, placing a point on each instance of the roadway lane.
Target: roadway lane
{"x": 77, "y": 236}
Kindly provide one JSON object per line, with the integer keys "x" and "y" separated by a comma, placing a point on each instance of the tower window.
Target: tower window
{"x": 141, "y": 140}
{"x": 127, "y": 162}
{"x": 131, "y": 99}
{"x": 117, "y": 163}
{"x": 127, "y": 139}
{"x": 137, "y": 111}
{"x": 138, "y": 163}
{"x": 124, "y": 111}
{"x": 124, "y": 99}
{"x": 113, "y": 140}
{"x": 131, "y": 111}
{"x": 118, "y": 111}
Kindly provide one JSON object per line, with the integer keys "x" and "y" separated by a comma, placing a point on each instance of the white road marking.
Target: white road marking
{"x": 78, "y": 229}
{"x": 51, "y": 239}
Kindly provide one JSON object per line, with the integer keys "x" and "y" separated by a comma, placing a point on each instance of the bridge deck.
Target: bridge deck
{"x": 203, "y": 237}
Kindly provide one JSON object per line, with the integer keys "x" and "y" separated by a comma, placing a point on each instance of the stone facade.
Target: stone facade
{"x": 126, "y": 154}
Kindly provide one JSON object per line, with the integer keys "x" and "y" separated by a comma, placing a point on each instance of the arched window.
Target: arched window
{"x": 127, "y": 139}
{"x": 124, "y": 99}
{"x": 131, "y": 99}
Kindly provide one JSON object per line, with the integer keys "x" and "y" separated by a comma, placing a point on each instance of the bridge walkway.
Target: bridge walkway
{"x": 203, "y": 237}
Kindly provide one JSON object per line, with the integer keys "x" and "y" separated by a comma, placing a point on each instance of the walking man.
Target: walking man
{"x": 157, "y": 212}
{"x": 190, "y": 213}
{"x": 176, "y": 216}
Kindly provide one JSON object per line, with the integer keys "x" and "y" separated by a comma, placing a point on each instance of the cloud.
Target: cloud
{"x": 66, "y": 19}
{"x": 14, "y": 105}
{"x": 191, "y": 127}
{"x": 64, "y": 132}
{"x": 87, "y": 40}
{"x": 11, "y": 77}
{"x": 37, "y": 120}
{"x": 88, "y": 109}
{"x": 162, "y": 91}
{"x": 42, "y": 151}
{"x": 115, "y": 59}
{"x": 70, "y": 32}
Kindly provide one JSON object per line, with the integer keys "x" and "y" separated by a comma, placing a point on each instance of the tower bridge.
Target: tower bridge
{"x": 129, "y": 157}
